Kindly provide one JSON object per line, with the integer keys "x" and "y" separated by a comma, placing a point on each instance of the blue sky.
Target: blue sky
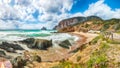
{"x": 34, "y": 14}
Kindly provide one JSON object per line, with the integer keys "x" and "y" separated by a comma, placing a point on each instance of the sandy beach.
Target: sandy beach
{"x": 84, "y": 38}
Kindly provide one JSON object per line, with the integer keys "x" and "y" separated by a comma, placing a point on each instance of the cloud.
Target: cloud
{"x": 34, "y": 14}
{"x": 21, "y": 12}
{"x": 102, "y": 10}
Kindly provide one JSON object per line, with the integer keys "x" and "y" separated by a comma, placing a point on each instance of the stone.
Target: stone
{"x": 2, "y": 53}
{"x": 41, "y": 44}
{"x": 65, "y": 44}
{"x": 10, "y": 47}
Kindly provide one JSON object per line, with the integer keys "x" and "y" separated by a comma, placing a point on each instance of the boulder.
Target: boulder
{"x": 42, "y": 44}
{"x": 43, "y": 28}
{"x": 19, "y": 62}
{"x": 37, "y": 43}
{"x": 2, "y": 54}
{"x": 28, "y": 41}
{"x": 36, "y": 58}
{"x": 10, "y": 47}
{"x": 65, "y": 44}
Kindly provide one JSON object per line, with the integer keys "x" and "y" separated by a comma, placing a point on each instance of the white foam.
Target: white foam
{"x": 58, "y": 37}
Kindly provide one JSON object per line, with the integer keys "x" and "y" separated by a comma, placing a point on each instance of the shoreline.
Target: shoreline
{"x": 83, "y": 39}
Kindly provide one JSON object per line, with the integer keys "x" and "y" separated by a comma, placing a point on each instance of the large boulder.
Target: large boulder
{"x": 10, "y": 47}
{"x": 28, "y": 41}
{"x": 2, "y": 54}
{"x": 43, "y": 28}
{"x": 19, "y": 62}
{"x": 37, "y": 43}
{"x": 65, "y": 44}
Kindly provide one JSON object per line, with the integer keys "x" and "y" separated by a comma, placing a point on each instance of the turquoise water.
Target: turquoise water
{"x": 22, "y": 34}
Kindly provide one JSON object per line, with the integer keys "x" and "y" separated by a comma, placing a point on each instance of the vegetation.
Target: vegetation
{"x": 66, "y": 64}
{"x": 98, "y": 58}
{"x": 78, "y": 58}
{"x": 96, "y": 24}
{"x": 95, "y": 40}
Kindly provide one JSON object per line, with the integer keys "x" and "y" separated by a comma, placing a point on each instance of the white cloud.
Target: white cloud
{"x": 50, "y": 11}
{"x": 102, "y": 10}
{"x": 20, "y": 13}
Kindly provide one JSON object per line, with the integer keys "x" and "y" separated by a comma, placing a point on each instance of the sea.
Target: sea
{"x": 14, "y": 35}
{"x": 21, "y": 34}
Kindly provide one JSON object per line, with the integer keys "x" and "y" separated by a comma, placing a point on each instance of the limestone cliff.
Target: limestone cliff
{"x": 88, "y": 23}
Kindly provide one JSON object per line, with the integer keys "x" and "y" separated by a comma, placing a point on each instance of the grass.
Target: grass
{"x": 99, "y": 58}
{"x": 94, "y": 41}
{"x": 67, "y": 64}
{"x": 113, "y": 41}
{"x": 78, "y": 58}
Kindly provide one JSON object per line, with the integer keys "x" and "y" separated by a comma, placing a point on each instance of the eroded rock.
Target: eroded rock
{"x": 65, "y": 44}
{"x": 37, "y": 43}
{"x": 10, "y": 47}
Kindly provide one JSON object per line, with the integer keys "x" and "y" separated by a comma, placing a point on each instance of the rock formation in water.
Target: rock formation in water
{"x": 10, "y": 47}
{"x": 2, "y": 54}
{"x": 43, "y": 28}
{"x": 65, "y": 44}
{"x": 37, "y": 43}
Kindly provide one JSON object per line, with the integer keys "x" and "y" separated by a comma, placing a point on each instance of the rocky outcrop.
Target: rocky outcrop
{"x": 41, "y": 44}
{"x": 2, "y": 54}
{"x": 21, "y": 61}
{"x": 69, "y": 22}
{"x": 43, "y": 28}
{"x": 86, "y": 24}
{"x": 65, "y": 44}
{"x": 10, "y": 47}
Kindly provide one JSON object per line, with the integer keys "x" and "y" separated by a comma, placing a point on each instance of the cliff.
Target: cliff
{"x": 88, "y": 23}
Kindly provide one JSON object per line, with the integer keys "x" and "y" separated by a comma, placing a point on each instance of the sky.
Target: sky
{"x": 35, "y": 14}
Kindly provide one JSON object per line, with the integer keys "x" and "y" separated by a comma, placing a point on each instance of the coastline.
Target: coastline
{"x": 84, "y": 38}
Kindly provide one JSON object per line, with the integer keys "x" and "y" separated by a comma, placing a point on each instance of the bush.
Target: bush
{"x": 67, "y": 64}
{"x": 99, "y": 60}
{"x": 95, "y": 40}
{"x": 78, "y": 58}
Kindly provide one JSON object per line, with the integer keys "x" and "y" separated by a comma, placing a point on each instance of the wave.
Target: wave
{"x": 22, "y": 34}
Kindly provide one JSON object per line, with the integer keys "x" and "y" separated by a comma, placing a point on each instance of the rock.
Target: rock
{"x": 37, "y": 58}
{"x": 37, "y": 43}
{"x": 2, "y": 53}
{"x": 43, "y": 28}
{"x": 11, "y": 50}
{"x": 22, "y": 61}
{"x": 10, "y": 47}
{"x": 19, "y": 62}
{"x": 65, "y": 44}
{"x": 28, "y": 41}
{"x": 42, "y": 44}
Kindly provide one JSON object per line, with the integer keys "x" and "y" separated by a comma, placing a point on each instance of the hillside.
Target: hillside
{"x": 88, "y": 23}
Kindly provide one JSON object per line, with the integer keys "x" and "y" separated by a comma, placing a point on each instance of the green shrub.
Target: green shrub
{"x": 95, "y": 40}
{"x": 97, "y": 59}
{"x": 78, "y": 58}
{"x": 67, "y": 64}
{"x": 113, "y": 41}
{"x": 104, "y": 46}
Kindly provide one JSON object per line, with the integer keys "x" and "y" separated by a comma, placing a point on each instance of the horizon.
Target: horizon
{"x": 35, "y": 14}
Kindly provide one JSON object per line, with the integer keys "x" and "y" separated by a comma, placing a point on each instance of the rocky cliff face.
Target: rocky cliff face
{"x": 88, "y": 23}
{"x": 69, "y": 22}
